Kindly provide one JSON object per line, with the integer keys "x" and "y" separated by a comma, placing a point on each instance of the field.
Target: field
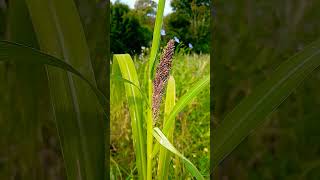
{"x": 192, "y": 128}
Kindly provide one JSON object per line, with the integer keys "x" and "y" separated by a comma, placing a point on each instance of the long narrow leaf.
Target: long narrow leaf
{"x": 156, "y": 36}
{"x": 29, "y": 98}
{"x": 182, "y": 103}
{"x": 8, "y": 52}
{"x": 165, "y": 156}
{"x": 80, "y": 124}
{"x": 253, "y": 110}
{"x": 119, "y": 78}
{"x": 186, "y": 99}
{"x": 134, "y": 98}
{"x": 161, "y": 138}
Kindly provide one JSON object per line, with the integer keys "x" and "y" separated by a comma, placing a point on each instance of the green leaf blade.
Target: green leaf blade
{"x": 28, "y": 98}
{"x": 80, "y": 123}
{"x": 134, "y": 98}
{"x": 252, "y": 111}
{"x": 35, "y": 57}
{"x": 182, "y": 103}
{"x": 165, "y": 156}
{"x": 161, "y": 138}
{"x": 156, "y": 36}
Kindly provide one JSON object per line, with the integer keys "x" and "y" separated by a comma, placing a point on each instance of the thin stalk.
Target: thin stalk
{"x": 165, "y": 155}
{"x": 156, "y": 36}
{"x": 149, "y": 134}
{"x": 154, "y": 50}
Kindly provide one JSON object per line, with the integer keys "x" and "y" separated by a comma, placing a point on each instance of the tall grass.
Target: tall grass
{"x": 190, "y": 125}
{"x": 144, "y": 103}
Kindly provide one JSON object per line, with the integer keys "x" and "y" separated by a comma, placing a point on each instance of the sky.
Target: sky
{"x": 167, "y": 8}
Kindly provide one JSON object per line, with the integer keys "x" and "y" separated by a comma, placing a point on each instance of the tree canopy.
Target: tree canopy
{"x": 190, "y": 22}
{"x": 132, "y": 28}
{"x": 128, "y": 34}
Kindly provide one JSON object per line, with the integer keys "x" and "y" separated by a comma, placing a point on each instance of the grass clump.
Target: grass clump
{"x": 191, "y": 129}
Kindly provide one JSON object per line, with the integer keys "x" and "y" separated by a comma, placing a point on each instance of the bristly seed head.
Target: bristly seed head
{"x": 161, "y": 78}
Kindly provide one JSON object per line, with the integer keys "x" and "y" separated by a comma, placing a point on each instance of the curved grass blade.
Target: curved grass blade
{"x": 253, "y": 110}
{"x": 124, "y": 63}
{"x": 27, "y": 55}
{"x": 8, "y": 52}
{"x": 165, "y": 156}
{"x": 161, "y": 138}
{"x": 119, "y": 78}
{"x": 186, "y": 99}
{"x": 182, "y": 103}
{"x": 80, "y": 123}
{"x": 77, "y": 114}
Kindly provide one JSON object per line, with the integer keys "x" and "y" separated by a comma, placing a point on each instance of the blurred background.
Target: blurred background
{"x": 188, "y": 23}
{"x": 29, "y": 142}
{"x": 251, "y": 39}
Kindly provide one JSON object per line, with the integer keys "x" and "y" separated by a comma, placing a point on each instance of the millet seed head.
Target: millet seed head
{"x": 161, "y": 78}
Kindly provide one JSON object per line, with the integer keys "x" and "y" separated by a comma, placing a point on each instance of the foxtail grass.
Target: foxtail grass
{"x": 144, "y": 124}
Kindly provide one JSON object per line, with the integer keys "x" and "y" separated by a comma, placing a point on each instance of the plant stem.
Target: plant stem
{"x": 149, "y": 134}
{"x": 156, "y": 36}
{"x": 154, "y": 50}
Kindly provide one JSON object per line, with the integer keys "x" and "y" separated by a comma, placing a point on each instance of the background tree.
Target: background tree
{"x": 190, "y": 22}
{"x": 127, "y": 32}
{"x": 148, "y": 7}
{"x": 146, "y": 12}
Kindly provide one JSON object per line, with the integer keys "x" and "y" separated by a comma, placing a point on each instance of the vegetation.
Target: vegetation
{"x": 128, "y": 34}
{"x": 52, "y": 121}
{"x": 252, "y": 39}
{"x": 191, "y": 124}
{"x": 143, "y": 84}
{"x": 54, "y": 85}
{"x": 189, "y": 22}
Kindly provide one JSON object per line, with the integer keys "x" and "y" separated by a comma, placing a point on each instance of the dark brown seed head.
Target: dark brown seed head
{"x": 161, "y": 78}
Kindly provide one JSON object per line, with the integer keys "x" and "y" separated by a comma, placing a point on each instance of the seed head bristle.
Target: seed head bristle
{"x": 161, "y": 78}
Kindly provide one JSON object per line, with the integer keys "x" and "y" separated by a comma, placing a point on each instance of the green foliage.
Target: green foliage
{"x": 123, "y": 65}
{"x": 251, "y": 40}
{"x": 127, "y": 34}
{"x": 164, "y": 155}
{"x": 146, "y": 6}
{"x": 191, "y": 124}
{"x": 264, "y": 100}
{"x": 2, "y": 21}
{"x": 146, "y": 11}
{"x": 161, "y": 138}
{"x": 190, "y": 22}
{"x": 142, "y": 120}
{"x": 45, "y": 110}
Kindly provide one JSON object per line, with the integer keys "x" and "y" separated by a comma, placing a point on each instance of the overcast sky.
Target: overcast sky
{"x": 167, "y": 8}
